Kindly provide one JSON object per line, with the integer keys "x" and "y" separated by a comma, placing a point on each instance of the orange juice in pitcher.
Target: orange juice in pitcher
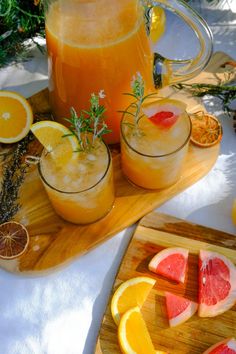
{"x": 98, "y": 45}
{"x": 93, "y": 46}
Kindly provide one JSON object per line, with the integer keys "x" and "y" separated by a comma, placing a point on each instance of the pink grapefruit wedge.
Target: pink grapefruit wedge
{"x": 171, "y": 263}
{"x": 164, "y": 113}
{"x": 227, "y": 346}
{"x": 217, "y": 284}
{"x": 179, "y": 309}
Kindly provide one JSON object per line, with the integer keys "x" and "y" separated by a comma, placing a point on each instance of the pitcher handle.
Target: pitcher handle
{"x": 168, "y": 71}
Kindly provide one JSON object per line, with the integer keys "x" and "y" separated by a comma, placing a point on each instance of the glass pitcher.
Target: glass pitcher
{"x": 99, "y": 45}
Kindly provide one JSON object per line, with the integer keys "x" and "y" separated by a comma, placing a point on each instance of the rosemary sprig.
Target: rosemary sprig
{"x": 138, "y": 89}
{"x": 226, "y": 93}
{"x": 89, "y": 125}
{"x": 13, "y": 174}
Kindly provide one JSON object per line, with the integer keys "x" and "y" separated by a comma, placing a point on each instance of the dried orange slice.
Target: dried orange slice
{"x": 14, "y": 240}
{"x": 206, "y": 129}
{"x": 16, "y": 117}
{"x": 132, "y": 292}
{"x": 133, "y": 334}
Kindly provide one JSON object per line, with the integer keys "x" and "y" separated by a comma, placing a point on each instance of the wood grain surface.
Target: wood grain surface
{"x": 54, "y": 242}
{"x": 155, "y": 232}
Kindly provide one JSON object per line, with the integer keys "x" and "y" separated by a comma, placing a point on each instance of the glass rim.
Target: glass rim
{"x": 83, "y": 190}
{"x": 162, "y": 155}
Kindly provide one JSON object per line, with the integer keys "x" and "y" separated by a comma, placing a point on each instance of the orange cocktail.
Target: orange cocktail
{"x": 81, "y": 190}
{"x": 153, "y": 150}
{"x": 93, "y": 46}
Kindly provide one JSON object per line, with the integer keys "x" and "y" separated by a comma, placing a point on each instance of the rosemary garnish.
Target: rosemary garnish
{"x": 134, "y": 109}
{"x": 13, "y": 174}
{"x": 89, "y": 125}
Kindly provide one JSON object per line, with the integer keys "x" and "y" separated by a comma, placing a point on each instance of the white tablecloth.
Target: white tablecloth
{"x": 60, "y": 313}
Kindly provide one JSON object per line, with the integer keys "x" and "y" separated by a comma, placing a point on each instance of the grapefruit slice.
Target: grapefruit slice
{"x": 164, "y": 113}
{"x": 217, "y": 284}
{"x": 179, "y": 309}
{"x": 170, "y": 263}
{"x": 227, "y": 346}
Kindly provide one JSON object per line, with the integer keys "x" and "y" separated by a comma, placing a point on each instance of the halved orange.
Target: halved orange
{"x": 131, "y": 293}
{"x": 52, "y": 136}
{"x": 16, "y": 117}
{"x": 14, "y": 240}
{"x": 133, "y": 334}
{"x": 206, "y": 129}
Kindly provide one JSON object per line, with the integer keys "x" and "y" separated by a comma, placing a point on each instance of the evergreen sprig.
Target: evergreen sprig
{"x": 19, "y": 20}
{"x": 226, "y": 93}
{"x": 89, "y": 125}
{"x": 13, "y": 175}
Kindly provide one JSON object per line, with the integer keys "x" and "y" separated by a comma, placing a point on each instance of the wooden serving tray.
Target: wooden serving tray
{"x": 54, "y": 242}
{"x": 155, "y": 232}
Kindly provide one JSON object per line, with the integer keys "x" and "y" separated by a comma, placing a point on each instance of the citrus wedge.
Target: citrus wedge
{"x": 217, "y": 284}
{"x": 179, "y": 309}
{"x": 52, "y": 136}
{"x": 227, "y": 346}
{"x": 158, "y": 21}
{"x": 131, "y": 293}
{"x": 16, "y": 117}
{"x": 234, "y": 212}
{"x": 133, "y": 334}
{"x": 206, "y": 130}
{"x": 171, "y": 263}
{"x": 14, "y": 240}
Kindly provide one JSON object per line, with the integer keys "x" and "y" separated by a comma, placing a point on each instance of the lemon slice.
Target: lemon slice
{"x": 16, "y": 117}
{"x": 132, "y": 292}
{"x": 52, "y": 136}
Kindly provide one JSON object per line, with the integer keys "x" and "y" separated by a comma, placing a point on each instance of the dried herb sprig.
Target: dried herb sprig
{"x": 89, "y": 125}
{"x": 138, "y": 89}
{"x": 226, "y": 93}
{"x": 13, "y": 175}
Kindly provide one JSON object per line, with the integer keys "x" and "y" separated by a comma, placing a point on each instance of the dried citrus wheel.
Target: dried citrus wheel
{"x": 132, "y": 292}
{"x": 158, "y": 22}
{"x": 14, "y": 240}
{"x": 206, "y": 129}
{"x": 50, "y": 134}
{"x": 16, "y": 117}
{"x": 133, "y": 334}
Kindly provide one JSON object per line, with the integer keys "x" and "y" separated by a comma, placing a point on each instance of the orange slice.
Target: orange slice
{"x": 206, "y": 129}
{"x": 133, "y": 334}
{"x": 52, "y": 136}
{"x": 14, "y": 240}
{"x": 16, "y": 117}
{"x": 131, "y": 293}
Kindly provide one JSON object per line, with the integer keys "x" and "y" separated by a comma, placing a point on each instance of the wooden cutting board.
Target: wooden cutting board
{"x": 155, "y": 232}
{"x": 54, "y": 242}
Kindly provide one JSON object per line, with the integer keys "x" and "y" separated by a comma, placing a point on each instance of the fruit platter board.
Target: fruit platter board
{"x": 157, "y": 232}
{"x": 54, "y": 242}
